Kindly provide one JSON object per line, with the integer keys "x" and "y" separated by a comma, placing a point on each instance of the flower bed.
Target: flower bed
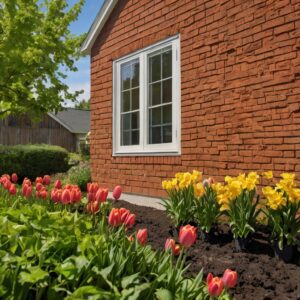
{"x": 260, "y": 274}
{"x": 56, "y": 244}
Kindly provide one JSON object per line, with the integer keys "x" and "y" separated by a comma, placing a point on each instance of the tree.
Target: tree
{"x": 84, "y": 104}
{"x": 36, "y": 49}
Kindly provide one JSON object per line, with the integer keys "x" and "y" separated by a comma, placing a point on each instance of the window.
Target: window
{"x": 146, "y": 115}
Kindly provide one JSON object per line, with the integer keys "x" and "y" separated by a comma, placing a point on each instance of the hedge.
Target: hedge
{"x": 33, "y": 160}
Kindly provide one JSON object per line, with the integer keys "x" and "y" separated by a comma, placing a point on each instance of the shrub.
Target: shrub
{"x": 80, "y": 175}
{"x": 33, "y": 160}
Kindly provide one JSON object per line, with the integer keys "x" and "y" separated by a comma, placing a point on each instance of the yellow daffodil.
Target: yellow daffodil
{"x": 198, "y": 190}
{"x": 268, "y": 175}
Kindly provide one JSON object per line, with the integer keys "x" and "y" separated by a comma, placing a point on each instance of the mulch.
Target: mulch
{"x": 260, "y": 274}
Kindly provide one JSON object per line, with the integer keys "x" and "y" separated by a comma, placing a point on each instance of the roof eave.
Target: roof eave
{"x": 60, "y": 122}
{"x": 97, "y": 26}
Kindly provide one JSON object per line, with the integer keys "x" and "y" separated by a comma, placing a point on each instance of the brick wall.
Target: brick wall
{"x": 240, "y": 78}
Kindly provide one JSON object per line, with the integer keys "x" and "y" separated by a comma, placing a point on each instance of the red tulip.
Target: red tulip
{"x": 142, "y": 236}
{"x": 26, "y": 181}
{"x": 187, "y": 235}
{"x": 57, "y": 184}
{"x": 99, "y": 195}
{"x": 229, "y": 278}
{"x": 176, "y": 250}
{"x": 54, "y": 195}
{"x": 91, "y": 197}
{"x": 124, "y": 213}
{"x": 39, "y": 179}
{"x": 38, "y": 186}
{"x": 13, "y": 189}
{"x": 43, "y": 193}
{"x": 66, "y": 196}
{"x": 6, "y": 184}
{"x": 114, "y": 218}
{"x": 104, "y": 195}
{"x": 14, "y": 177}
{"x": 46, "y": 180}
{"x": 28, "y": 191}
{"x": 171, "y": 245}
{"x": 92, "y": 187}
{"x": 117, "y": 192}
{"x": 93, "y": 207}
{"x": 129, "y": 221}
{"x": 215, "y": 285}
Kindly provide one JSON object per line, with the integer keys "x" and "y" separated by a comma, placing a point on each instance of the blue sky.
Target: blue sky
{"x": 81, "y": 79}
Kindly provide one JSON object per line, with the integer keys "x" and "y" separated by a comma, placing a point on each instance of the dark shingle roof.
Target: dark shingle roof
{"x": 75, "y": 120}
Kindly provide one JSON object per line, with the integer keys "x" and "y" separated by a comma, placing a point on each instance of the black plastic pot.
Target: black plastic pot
{"x": 287, "y": 253}
{"x": 241, "y": 244}
{"x": 207, "y": 236}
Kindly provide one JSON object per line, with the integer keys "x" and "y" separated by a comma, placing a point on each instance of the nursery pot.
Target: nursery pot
{"x": 241, "y": 244}
{"x": 207, "y": 236}
{"x": 287, "y": 253}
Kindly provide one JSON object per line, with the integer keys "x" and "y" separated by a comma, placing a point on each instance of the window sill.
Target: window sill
{"x": 163, "y": 153}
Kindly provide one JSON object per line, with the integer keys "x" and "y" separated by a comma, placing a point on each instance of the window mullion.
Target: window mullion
{"x": 142, "y": 101}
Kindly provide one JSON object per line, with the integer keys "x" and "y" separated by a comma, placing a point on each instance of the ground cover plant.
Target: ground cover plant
{"x": 56, "y": 244}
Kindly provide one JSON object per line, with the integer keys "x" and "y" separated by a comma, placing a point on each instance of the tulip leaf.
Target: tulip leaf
{"x": 129, "y": 280}
{"x": 163, "y": 294}
{"x": 35, "y": 274}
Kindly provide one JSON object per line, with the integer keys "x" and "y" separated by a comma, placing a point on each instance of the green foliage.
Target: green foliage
{"x": 243, "y": 214}
{"x": 180, "y": 205}
{"x": 207, "y": 209}
{"x": 81, "y": 176}
{"x": 285, "y": 223}
{"x": 84, "y": 104}
{"x": 61, "y": 255}
{"x": 35, "y": 44}
{"x": 33, "y": 160}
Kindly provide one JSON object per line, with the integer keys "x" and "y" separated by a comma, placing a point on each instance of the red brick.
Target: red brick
{"x": 240, "y": 88}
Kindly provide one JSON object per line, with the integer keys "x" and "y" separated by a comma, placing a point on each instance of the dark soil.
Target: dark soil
{"x": 260, "y": 274}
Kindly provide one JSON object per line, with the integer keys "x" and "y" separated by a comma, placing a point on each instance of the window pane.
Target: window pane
{"x": 156, "y": 116}
{"x": 135, "y": 75}
{"x": 167, "y": 134}
{"x": 125, "y": 101}
{"x": 135, "y": 120}
{"x": 126, "y": 122}
{"x": 126, "y": 76}
{"x": 167, "y": 91}
{"x": 167, "y": 64}
{"x": 155, "y": 68}
{"x": 155, "y": 94}
{"x": 135, "y": 137}
{"x": 125, "y": 138}
{"x": 167, "y": 114}
{"x": 135, "y": 100}
{"x": 155, "y": 135}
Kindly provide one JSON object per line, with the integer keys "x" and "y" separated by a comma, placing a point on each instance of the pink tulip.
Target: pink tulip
{"x": 14, "y": 177}
{"x": 117, "y": 192}
{"x": 43, "y": 193}
{"x": 142, "y": 236}
{"x": 26, "y": 181}
{"x": 101, "y": 195}
{"x": 114, "y": 218}
{"x": 229, "y": 278}
{"x": 92, "y": 187}
{"x": 46, "y": 180}
{"x": 91, "y": 197}
{"x": 57, "y": 184}
{"x": 215, "y": 285}
{"x": 6, "y": 184}
{"x": 13, "y": 189}
{"x": 129, "y": 221}
{"x": 28, "y": 191}
{"x": 187, "y": 236}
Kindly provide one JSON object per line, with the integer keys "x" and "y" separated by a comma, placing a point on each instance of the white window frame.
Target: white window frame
{"x": 144, "y": 148}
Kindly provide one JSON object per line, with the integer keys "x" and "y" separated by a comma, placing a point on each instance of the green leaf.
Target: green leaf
{"x": 163, "y": 294}
{"x": 129, "y": 280}
{"x": 34, "y": 275}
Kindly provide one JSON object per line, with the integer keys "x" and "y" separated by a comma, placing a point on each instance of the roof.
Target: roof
{"x": 97, "y": 25}
{"x": 75, "y": 120}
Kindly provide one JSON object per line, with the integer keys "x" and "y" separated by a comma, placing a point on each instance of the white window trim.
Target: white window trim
{"x": 145, "y": 149}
